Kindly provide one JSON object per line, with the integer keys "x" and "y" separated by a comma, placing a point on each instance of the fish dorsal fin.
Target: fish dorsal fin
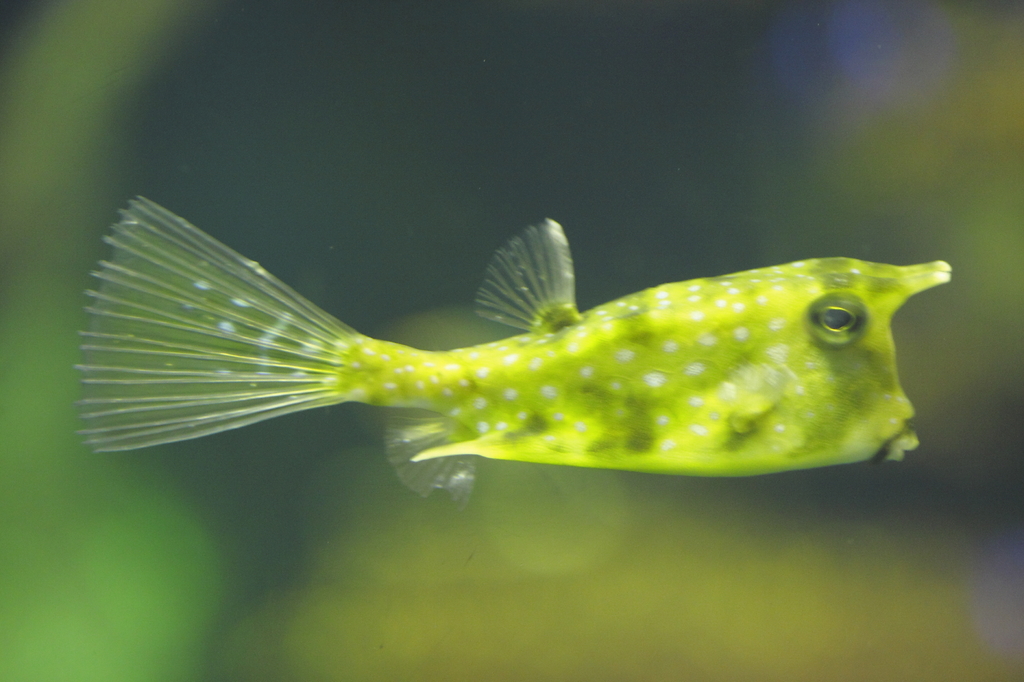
{"x": 530, "y": 282}
{"x": 408, "y": 435}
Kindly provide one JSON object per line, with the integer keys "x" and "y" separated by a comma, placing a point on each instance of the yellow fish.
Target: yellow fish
{"x": 779, "y": 368}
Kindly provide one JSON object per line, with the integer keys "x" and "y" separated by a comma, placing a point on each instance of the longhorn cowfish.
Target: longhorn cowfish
{"x": 779, "y": 368}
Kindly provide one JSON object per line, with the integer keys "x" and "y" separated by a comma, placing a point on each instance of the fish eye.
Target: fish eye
{"x": 838, "y": 320}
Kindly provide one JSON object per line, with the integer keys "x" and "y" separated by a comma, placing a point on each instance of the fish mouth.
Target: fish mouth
{"x": 892, "y": 450}
{"x": 917, "y": 278}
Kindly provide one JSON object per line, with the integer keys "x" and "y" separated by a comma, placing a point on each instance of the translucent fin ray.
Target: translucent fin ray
{"x": 530, "y": 282}
{"x": 188, "y": 338}
{"x": 408, "y": 435}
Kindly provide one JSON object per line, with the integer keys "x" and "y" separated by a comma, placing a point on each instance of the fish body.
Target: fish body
{"x": 778, "y": 368}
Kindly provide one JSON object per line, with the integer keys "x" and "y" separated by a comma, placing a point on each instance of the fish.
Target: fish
{"x": 768, "y": 370}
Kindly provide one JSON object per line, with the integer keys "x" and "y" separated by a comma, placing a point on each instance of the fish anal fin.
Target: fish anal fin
{"x": 530, "y": 282}
{"x": 411, "y": 434}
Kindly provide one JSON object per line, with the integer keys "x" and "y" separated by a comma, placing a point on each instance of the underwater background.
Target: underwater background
{"x": 373, "y": 154}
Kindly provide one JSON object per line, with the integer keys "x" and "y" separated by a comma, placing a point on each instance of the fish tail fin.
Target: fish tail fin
{"x": 410, "y": 434}
{"x": 188, "y": 338}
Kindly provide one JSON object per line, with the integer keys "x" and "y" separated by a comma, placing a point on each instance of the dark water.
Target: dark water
{"x": 373, "y": 155}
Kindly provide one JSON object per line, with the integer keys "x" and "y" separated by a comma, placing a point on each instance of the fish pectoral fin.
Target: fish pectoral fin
{"x": 410, "y": 436}
{"x": 530, "y": 282}
{"x": 753, "y": 392}
{"x": 745, "y": 418}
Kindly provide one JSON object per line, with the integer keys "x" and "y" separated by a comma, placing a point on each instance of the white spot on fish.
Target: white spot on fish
{"x": 483, "y": 427}
{"x": 453, "y": 367}
{"x": 482, "y": 372}
{"x": 385, "y": 358}
{"x": 510, "y": 394}
{"x": 240, "y": 303}
{"x": 668, "y": 444}
{"x": 741, "y": 333}
{"x": 798, "y": 264}
{"x": 479, "y": 403}
{"x": 226, "y": 326}
{"x": 733, "y": 291}
{"x": 761, "y": 300}
{"x": 390, "y": 385}
{"x": 454, "y": 412}
{"x": 558, "y": 416}
{"x": 661, "y": 294}
{"x": 580, "y": 426}
{"x": 696, "y": 401}
{"x": 624, "y": 355}
{"x": 509, "y": 359}
{"x": 573, "y": 347}
{"x": 738, "y": 307}
{"x": 521, "y": 415}
{"x": 616, "y": 385}
{"x": 662, "y": 420}
{"x": 586, "y": 372}
{"x": 201, "y": 285}
{"x": 548, "y": 391}
{"x": 693, "y": 298}
{"x": 694, "y": 368}
{"x": 501, "y": 426}
{"x": 699, "y": 429}
{"x": 446, "y": 392}
{"x": 535, "y": 363}
{"x": 697, "y": 316}
{"x": 721, "y": 303}
{"x": 670, "y": 346}
{"x": 474, "y": 355}
{"x": 779, "y": 428}
{"x": 655, "y": 379}
{"x": 463, "y": 382}
{"x": 694, "y": 287}
{"x": 776, "y": 323}
{"x": 420, "y": 385}
{"x": 707, "y": 339}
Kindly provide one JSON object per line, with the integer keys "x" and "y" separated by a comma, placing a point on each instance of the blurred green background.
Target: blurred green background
{"x": 373, "y": 154}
